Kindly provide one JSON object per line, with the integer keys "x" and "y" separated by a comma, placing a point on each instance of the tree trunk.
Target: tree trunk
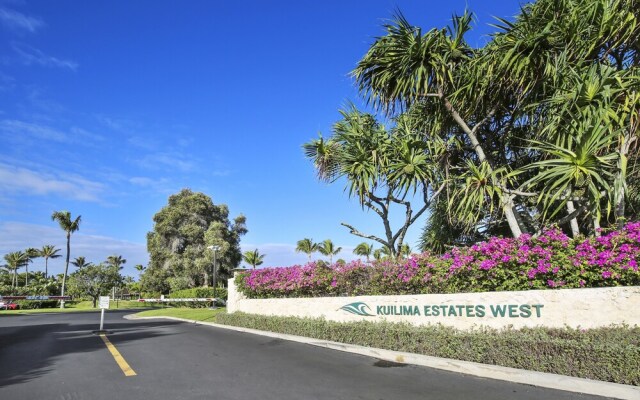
{"x": 621, "y": 179}
{"x": 46, "y": 267}
{"x": 575, "y": 229}
{"x": 506, "y": 198}
{"x": 596, "y": 226}
{"x": 511, "y": 218}
{"x": 66, "y": 268}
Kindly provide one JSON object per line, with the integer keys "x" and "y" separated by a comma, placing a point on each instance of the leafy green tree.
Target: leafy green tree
{"x": 327, "y": 248}
{"x": 48, "y": 251}
{"x": 182, "y": 231}
{"x": 306, "y": 246}
{"x": 363, "y": 249}
{"x": 69, "y": 226}
{"x": 80, "y": 262}
{"x": 94, "y": 281}
{"x": 45, "y": 286}
{"x": 253, "y": 258}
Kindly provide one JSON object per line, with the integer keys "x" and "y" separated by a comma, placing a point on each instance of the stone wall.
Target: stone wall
{"x": 585, "y": 308}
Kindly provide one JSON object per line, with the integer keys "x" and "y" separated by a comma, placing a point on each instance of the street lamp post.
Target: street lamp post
{"x": 215, "y": 268}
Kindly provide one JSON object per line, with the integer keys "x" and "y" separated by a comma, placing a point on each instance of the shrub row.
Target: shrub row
{"x": 607, "y": 354}
{"x": 551, "y": 260}
{"x": 198, "y": 292}
{"x": 34, "y": 304}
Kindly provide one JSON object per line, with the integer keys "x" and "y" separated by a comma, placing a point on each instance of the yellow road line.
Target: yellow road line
{"x": 118, "y": 357}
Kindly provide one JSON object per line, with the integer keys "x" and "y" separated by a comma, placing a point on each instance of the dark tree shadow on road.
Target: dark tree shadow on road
{"x": 29, "y": 350}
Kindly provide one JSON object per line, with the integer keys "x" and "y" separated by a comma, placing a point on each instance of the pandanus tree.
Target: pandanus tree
{"x": 306, "y": 246}
{"x": 521, "y": 124}
{"x": 383, "y": 168}
{"x": 69, "y": 226}
{"x": 253, "y": 258}
{"x": 429, "y": 74}
{"x": 48, "y": 251}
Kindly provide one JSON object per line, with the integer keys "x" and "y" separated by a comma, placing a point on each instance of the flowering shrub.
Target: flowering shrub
{"x": 551, "y": 260}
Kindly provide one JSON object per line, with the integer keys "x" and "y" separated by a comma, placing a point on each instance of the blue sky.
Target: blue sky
{"x": 107, "y": 108}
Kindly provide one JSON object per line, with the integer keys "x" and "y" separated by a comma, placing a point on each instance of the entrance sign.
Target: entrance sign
{"x": 553, "y": 308}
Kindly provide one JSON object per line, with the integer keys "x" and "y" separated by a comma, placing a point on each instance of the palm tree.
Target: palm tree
{"x": 81, "y": 262}
{"x": 405, "y": 250}
{"x": 31, "y": 254}
{"x": 116, "y": 261}
{"x": 69, "y": 226}
{"x": 48, "y": 251}
{"x": 139, "y": 268}
{"x": 327, "y": 248}
{"x": 363, "y": 249}
{"x": 383, "y": 253}
{"x": 15, "y": 260}
{"x": 306, "y": 246}
{"x": 253, "y": 258}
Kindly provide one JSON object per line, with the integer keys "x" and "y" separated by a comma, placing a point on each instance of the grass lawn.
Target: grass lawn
{"x": 197, "y": 314}
{"x": 72, "y": 306}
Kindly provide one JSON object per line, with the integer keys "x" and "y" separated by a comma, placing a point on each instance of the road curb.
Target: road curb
{"x": 540, "y": 379}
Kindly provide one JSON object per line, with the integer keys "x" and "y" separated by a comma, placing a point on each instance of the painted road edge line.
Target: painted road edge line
{"x": 122, "y": 363}
{"x": 533, "y": 378}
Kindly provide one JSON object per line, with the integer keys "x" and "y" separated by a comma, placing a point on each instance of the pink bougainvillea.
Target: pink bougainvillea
{"x": 551, "y": 260}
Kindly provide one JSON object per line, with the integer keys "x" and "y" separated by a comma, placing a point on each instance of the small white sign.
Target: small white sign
{"x": 104, "y": 302}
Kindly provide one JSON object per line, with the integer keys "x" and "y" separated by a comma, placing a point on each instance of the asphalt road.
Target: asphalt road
{"x": 56, "y": 356}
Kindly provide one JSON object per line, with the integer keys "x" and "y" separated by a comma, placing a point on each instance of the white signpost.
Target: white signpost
{"x": 104, "y": 304}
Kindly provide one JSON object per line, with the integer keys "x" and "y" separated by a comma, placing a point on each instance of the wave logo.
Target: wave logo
{"x": 358, "y": 308}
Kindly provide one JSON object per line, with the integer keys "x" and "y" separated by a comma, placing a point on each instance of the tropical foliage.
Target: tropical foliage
{"x": 551, "y": 260}
{"x": 327, "y": 248}
{"x": 48, "y": 251}
{"x": 94, "y": 280}
{"x": 80, "y": 262}
{"x": 537, "y": 127}
{"x": 306, "y": 246}
{"x": 363, "y": 249}
{"x": 69, "y": 226}
{"x": 253, "y": 258}
{"x": 182, "y": 231}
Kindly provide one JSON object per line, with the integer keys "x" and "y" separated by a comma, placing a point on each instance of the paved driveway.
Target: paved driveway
{"x": 56, "y": 356}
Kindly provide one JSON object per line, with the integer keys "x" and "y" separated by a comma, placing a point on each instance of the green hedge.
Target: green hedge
{"x": 607, "y": 354}
{"x": 221, "y": 293}
{"x": 199, "y": 292}
{"x": 33, "y": 304}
